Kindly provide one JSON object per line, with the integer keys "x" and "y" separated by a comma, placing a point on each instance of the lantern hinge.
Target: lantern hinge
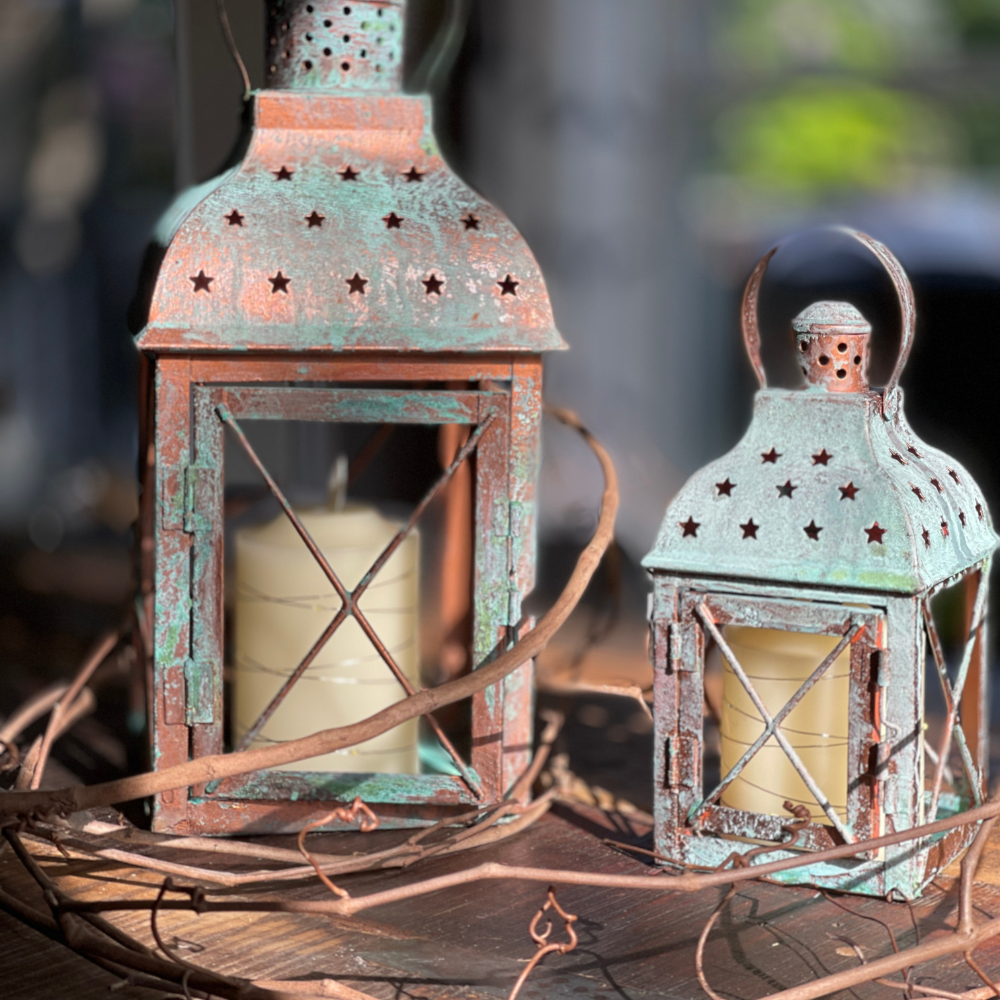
{"x": 511, "y": 519}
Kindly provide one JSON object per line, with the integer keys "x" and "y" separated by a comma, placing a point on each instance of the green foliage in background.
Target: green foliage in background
{"x": 978, "y": 20}
{"x": 866, "y": 37}
{"x": 841, "y": 96}
{"x": 821, "y": 135}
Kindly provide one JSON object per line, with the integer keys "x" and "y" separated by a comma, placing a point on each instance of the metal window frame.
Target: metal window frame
{"x": 700, "y": 612}
{"x": 184, "y": 670}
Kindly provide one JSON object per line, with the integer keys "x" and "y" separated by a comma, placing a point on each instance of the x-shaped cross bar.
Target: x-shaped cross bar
{"x": 772, "y": 724}
{"x": 953, "y": 696}
{"x": 349, "y": 606}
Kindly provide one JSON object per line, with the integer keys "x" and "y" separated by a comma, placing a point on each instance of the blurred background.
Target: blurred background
{"x": 649, "y": 150}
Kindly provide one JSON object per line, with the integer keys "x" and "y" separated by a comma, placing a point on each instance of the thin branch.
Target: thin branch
{"x": 541, "y": 939}
{"x": 345, "y": 814}
{"x": 34, "y": 708}
{"x": 64, "y": 706}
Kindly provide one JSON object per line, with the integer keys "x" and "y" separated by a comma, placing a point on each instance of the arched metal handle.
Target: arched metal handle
{"x": 904, "y": 292}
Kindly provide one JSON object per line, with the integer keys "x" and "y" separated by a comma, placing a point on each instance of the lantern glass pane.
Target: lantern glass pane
{"x": 777, "y": 663}
{"x": 353, "y": 487}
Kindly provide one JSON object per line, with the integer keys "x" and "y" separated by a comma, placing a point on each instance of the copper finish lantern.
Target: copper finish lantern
{"x": 340, "y": 273}
{"x": 805, "y": 567}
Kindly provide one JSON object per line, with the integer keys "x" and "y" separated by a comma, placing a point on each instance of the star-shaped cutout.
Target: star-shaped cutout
{"x": 725, "y": 488}
{"x": 284, "y": 174}
{"x": 822, "y": 458}
{"x": 937, "y": 486}
{"x": 413, "y": 175}
{"x": 315, "y": 220}
{"x": 913, "y": 451}
{"x": 875, "y": 533}
{"x": 812, "y": 529}
{"x": 961, "y": 517}
{"x": 848, "y": 492}
{"x": 771, "y": 456}
{"x": 917, "y": 492}
{"x": 979, "y": 511}
{"x": 279, "y": 283}
{"x": 750, "y": 529}
{"x": 357, "y": 284}
{"x": 508, "y": 286}
{"x": 432, "y": 285}
{"x": 786, "y": 490}
{"x": 926, "y": 535}
{"x": 954, "y": 475}
{"x": 690, "y": 527}
{"x": 470, "y": 221}
{"x": 201, "y": 282}
{"x": 944, "y": 528}
{"x": 348, "y": 174}
{"x": 392, "y": 221}
{"x": 897, "y": 457}
{"x": 234, "y": 218}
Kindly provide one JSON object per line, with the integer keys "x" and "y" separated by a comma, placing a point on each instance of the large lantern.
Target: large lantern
{"x": 340, "y": 274}
{"x": 805, "y": 562}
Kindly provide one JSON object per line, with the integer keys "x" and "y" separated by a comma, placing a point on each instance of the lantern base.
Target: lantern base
{"x": 897, "y": 869}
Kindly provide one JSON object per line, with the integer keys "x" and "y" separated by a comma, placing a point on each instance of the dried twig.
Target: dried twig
{"x": 34, "y": 708}
{"x": 356, "y": 812}
{"x": 541, "y": 939}
{"x": 793, "y": 829}
{"x": 65, "y": 708}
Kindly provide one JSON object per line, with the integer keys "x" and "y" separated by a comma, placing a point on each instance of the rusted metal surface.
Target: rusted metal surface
{"x": 343, "y": 227}
{"x": 831, "y": 517}
{"x": 340, "y": 254}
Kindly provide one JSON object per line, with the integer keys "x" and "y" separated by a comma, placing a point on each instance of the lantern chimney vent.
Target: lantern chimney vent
{"x": 325, "y": 46}
{"x": 831, "y": 340}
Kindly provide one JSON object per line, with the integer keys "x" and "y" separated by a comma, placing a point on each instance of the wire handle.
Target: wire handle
{"x": 904, "y": 292}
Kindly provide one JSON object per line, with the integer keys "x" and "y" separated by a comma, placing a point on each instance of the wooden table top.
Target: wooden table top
{"x": 472, "y": 941}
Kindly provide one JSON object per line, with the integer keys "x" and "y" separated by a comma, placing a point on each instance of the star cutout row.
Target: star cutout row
{"x": 689, "y": 529}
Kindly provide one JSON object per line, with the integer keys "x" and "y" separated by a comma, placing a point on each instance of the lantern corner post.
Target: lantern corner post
{"x": 496, "y": 604}
{"x": 525, "y": 405}
{"x": 673, "y": 766}
{"x": 171, "y": 626}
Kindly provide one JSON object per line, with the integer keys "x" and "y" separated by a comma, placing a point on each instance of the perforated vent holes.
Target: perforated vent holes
{"x": 322, "y": 45}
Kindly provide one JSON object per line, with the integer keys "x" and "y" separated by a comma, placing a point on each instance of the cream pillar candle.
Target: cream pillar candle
{"x": 777, "y": 663}
{"x": 284, "y": 602}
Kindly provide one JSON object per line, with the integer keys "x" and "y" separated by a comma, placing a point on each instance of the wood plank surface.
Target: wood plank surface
{"x": 472, "y": 941}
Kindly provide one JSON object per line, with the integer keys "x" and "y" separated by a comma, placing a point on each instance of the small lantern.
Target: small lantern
{"x": 806, "y": 560}
{"x": 340, "y": 273}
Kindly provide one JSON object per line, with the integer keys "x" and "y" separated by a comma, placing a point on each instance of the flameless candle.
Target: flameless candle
{"x": 283, "y": 604}
{"x": 777, "y": 664}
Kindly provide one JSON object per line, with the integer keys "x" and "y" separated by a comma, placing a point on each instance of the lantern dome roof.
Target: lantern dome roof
{"x": 343, "y": 229}
{"x": 841, "y": 316}
{"x": 824, "y": 489}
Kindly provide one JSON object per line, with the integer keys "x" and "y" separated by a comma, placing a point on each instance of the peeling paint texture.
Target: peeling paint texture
{"x": 829, "y": 517}
{"x": 341, "y": 272}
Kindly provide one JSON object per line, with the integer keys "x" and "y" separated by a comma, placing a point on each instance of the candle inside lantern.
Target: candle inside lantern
{"x": 777, "y": 664}
{"x": 284, "y": 602}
